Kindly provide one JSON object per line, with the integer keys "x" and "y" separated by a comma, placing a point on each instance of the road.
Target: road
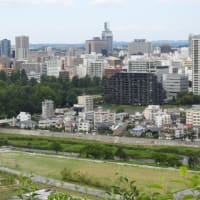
{"x": 108, "y": 139}
{"x": 57, "y": 183}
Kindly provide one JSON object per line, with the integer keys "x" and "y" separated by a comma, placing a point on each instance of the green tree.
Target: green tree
{"x": 56, "y": 146}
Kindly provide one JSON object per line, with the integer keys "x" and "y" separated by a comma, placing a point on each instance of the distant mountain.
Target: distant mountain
{"x": 173, "y": 43}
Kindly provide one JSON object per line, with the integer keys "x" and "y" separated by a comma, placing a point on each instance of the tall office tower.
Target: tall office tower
{"x": 107, "y": 35}
{"x": 195, "y": 40}
{"x": 47, "y": 109}
{"x": 5, "y": 48}
{"x": 22, "y": 48}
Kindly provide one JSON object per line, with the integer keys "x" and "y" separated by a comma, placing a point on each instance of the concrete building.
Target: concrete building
{"x": 47, "y": 109}
{"x": 95, "y": 69}
{"x": 139, "y": 47}
{"x": 93, "y": 65}
{"x": 193, "y": 116}
{"x": 133, "y": 89}
{"x": 22, "y": 48}
{"x": 162, "y": 119}
{"x": 174, "y": 84}
{"x": 103, "y": 116}
{"x": 53, "y": 67}
{"x": 96, "y": 45}
{"x": 34, "y": 70}
{"x": 107, "y": 36}
{"x": 195, "y": 44}
{"x": 142, "y": 65}
{"x": 5, "y": 48}
{"x": 150, "y": 110}
{"x": 87, "y": 102}
{"x": 83, "y": 126}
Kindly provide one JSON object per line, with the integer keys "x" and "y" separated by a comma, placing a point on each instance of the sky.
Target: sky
{"x": 74, "y": 21}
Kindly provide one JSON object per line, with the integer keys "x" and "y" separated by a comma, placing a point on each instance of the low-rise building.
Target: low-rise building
{"x": 193, "y": 116}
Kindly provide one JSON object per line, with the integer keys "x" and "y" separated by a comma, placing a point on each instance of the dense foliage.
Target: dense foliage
{"x": 186, "y": 98}
{"x": 17, "y": 93}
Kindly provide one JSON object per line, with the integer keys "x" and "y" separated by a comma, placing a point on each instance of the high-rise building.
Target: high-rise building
{"x": 5, "y": 48}
{"x": 107, "y": 36}
{"x": 133, "y": 89}
{"x": 47, "y": 109}
{"x": 195, "y": 44}
{"x": 139, "y": 47}
{"x": 102, "y": 45}
{"x": 22, "y": 48}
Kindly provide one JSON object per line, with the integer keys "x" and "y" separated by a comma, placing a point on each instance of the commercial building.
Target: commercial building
{"x": 47, "y": 109}
{"x": 133, "y": 89}
{"x": 87, "y": 102}
{"x": 195, "y": 44}
{"x": 22, "y": 48}
{"x": 140, "y": 47}
{"x": 5, "y": 48}
{"x": 96, "y": 45}
{"x": 175, "y": 84}
{"x": 102, "y": 45}
{"x": 142, "y": 65}
{"x": 34, "y": 70}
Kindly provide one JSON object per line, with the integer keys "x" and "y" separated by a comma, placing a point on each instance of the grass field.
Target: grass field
{"x": 105, "y": 173}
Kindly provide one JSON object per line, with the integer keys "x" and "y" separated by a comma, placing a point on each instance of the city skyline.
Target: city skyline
{"x": 62, "y": 21}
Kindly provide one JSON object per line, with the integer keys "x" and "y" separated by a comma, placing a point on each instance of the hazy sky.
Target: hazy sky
{"x": 74, "y": 21}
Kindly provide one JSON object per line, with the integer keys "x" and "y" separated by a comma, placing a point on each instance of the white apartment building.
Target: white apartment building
{"x": 22, "y": 48}
{"x": 195, "y": 44}
{"x": 193, "y": 116}
{"x": 54, "y": 67}
{"x": 150, "y": 110}
{"x": 84, "y": 126}
{"x": 47, "y": 109}
{"x": 94, "y": 65}
{"x": 162, "y": 118}
{"x": 101, "y": 116}
{"x": 141, "y": 65}
{"x": 87, "y": 102}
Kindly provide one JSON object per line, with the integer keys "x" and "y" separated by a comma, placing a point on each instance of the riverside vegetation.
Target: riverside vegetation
{"x": 166, "y": 156}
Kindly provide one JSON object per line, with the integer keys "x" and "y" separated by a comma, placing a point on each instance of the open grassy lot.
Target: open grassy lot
{"x": 105, "y": 174}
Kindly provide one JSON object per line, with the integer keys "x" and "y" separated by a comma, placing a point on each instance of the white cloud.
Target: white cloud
{"x": 108, "y": 2}
{"x": 34, "y": 2}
